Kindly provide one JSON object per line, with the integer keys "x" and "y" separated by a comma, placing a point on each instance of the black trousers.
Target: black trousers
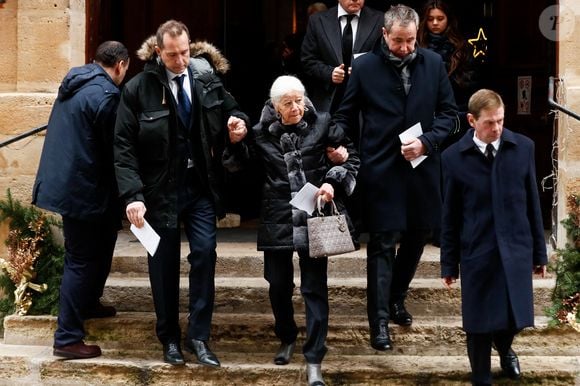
{"x": 279, "y": 272}
{"x": 199, "y": 223}
{"x": 390, "y": 271}
{"x": 479, "y": 352}
{"x": 89, "y": 247}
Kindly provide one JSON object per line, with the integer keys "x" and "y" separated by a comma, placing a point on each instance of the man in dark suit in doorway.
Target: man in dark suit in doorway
{"x": 492, "y": 233}
{"x": 332, "y": 39}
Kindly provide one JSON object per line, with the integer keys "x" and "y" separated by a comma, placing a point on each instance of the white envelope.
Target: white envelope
{"x": 147, "y": 236}
{"x": 305, "y": 199}
{"x": 410, "y": 134}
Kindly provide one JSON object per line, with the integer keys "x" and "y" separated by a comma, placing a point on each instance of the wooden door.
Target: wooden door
{"x": 249, "y": 34}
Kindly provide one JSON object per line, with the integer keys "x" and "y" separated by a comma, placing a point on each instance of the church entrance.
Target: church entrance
{"x": 517, "y": 58}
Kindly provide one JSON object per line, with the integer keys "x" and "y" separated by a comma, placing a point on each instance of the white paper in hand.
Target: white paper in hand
{"x": 305, "y": 199}
{"x": 410, "y": 134}
{"x": 147, "y": 236}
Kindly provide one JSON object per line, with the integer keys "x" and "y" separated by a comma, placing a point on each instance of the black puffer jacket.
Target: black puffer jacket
{"x": 292, "y": 156}
{"x": 146, "y": 155}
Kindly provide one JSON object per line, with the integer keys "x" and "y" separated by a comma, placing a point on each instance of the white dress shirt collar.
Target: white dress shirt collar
{"x": 482, "y": 145}
{"x": 353, "y": 23}
{"x": 173, "y": 83}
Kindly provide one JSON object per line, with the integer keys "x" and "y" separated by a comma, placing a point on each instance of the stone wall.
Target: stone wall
{"x": 41, "y": 40}
{"x": 568, "y": 128}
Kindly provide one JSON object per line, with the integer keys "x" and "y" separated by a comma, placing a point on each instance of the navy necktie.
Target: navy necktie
{"x": 489, "y": 152}
{"x": 347, "y": 43}
{"x": 183, "y": 102}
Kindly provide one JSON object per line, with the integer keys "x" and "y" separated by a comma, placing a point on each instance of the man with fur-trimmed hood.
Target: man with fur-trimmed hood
{"x": 204, "y": 57}
{"x": 174, "y": 121}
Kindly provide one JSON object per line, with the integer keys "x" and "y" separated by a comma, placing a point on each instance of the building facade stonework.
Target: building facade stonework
{"x": 42, "y": 39}
{"x": 569, "y": 128}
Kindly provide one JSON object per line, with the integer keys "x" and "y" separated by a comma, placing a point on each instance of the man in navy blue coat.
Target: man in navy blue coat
{"x": 492, "y": 233}
{"x": 395, "y": 87}
{"x": 76, "y": 179}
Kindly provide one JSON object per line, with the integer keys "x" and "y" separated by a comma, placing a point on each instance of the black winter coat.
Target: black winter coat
{"x": 146, "y": 154}
{"x": 395, "y": 196}
{"x": 76, "y": 177}
{"x": 292, "y": 156}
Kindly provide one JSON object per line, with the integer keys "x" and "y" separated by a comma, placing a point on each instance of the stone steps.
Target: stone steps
{"x": 431, "y": 352}
{"x": 253, "y": 333}
{"x": 251, "y": 265}
{"x": 241, "y": 259}
{"x": 35, "y": 365}
{"x": 346, "y": 295}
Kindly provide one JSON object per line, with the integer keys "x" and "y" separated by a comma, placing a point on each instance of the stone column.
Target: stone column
{"x": 568, "y": 127}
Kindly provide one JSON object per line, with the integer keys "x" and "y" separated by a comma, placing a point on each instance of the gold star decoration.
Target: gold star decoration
{"x": 479, "y": 44}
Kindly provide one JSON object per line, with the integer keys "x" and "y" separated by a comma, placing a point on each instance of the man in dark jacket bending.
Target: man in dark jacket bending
{"x": 171, "y": 131}
{"x": 76, "y": 179}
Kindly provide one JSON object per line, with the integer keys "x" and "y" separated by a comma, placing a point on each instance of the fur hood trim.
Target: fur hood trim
{"x": 197, "y": 49}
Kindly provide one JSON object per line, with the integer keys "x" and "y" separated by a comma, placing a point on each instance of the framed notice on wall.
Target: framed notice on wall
{"x": 524, "y": 95}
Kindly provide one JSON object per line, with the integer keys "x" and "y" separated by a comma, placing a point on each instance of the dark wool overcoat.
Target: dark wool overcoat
{"x": 492, "y": 232}
{"x": 292, "y": 156}
{"x": 394, "y": 195}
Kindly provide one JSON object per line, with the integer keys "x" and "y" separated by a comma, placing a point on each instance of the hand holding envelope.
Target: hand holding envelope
{"x": 140, "y": 227}
{"x": 305, "y": 199}
{"x": 147, "y": 236}
{"x": 410, "y": 135}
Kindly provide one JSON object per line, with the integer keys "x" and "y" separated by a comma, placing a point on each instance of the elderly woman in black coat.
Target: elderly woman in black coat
{"x": 291, "y": 141}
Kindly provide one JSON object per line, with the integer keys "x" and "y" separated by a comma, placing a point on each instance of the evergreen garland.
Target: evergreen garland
{"x": 566, "y": 296}
{"x": 28, "y": 223}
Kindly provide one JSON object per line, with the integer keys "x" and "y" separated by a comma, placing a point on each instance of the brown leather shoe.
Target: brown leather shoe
{"x": 78, "y": 350}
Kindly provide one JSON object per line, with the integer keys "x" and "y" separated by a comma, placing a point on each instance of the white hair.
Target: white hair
{"x": 283, "y": 85}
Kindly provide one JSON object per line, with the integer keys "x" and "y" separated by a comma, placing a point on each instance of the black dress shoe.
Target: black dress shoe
{"x": 172, "y": 354}
{"x": 314, "y": 375}
{"x": 284, "y": 353}
{"x": 380, "y": 338}
{"x": 400, "y": 315}
{"x": 202, "y": 351}
{"x": 510, "y": 365}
